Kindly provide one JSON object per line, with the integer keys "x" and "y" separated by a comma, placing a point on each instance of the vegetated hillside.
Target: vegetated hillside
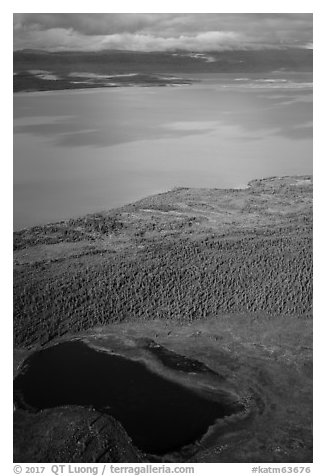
{"x": 36, "y": 70}
{"x": 181, "y": 256}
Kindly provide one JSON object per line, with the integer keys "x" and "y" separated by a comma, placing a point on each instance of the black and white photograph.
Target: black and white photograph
{"x": 162, "y": 240}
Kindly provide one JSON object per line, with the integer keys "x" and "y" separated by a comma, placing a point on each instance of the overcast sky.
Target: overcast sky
{"x": 161, "y": 31}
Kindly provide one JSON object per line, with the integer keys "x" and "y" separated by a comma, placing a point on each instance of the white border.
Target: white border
{"x": 277, "y": 6}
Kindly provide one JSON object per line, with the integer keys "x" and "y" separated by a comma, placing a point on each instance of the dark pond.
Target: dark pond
{"x": 159, "y": 415}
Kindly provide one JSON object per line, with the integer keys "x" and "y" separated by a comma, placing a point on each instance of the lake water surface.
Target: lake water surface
{"x": 77, "y": 152}
{"x": 159, "y": 415}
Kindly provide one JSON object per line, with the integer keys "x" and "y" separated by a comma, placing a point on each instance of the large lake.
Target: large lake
{"x": 77, "y": 152}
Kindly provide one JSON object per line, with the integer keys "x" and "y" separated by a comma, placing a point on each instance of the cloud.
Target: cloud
{"x": 147, "y": 32}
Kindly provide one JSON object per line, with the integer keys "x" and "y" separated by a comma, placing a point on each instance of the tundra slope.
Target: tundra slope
{"x": 182, "y": 256}
{"x": 221, "y": 276}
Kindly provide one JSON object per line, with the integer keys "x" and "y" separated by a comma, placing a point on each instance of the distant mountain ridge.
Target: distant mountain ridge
{"x": 37, "y": 70}
{"x": 108, "y": 61}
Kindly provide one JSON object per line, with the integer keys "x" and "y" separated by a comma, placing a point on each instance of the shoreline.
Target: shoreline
{"x": 101, "y": 88}
{"x": 197, "y": 79}
{"x": 168, "y": 192}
